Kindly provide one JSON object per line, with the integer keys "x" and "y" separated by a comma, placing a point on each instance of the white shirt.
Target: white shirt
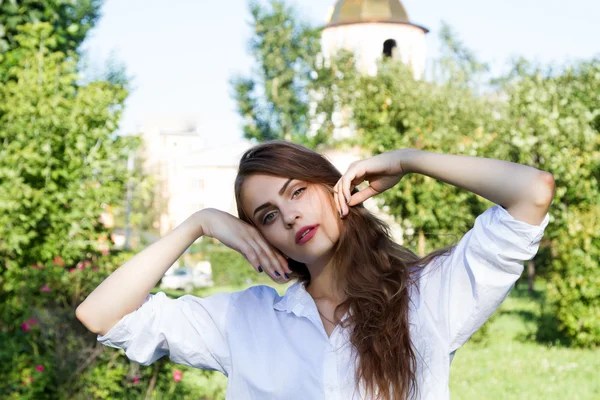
{"x": 275, "y": 347}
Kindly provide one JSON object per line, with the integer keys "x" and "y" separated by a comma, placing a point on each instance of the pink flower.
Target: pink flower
{"x": 39, "y": 368}
{"x": 80, "y": 266}
{"x": 105, "y": 252}
{"x": 37, "y": 266}
{"x": 72, "y": 270}
{"x": 95, "y": 269}
{"x": 177, "y": 375}
{"x": 136, "y": 380}
{"x": 26, "y": 326}
{"x": 45, "y": 288}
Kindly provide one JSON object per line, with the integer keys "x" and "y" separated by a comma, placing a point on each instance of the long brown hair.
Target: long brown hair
{"x": 375, "y": 273}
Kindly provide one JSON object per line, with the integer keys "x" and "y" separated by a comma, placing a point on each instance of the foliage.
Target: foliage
{"x": 48, "y": 350}
{"x": 60, "y": 163}
{"x": 146, "y": 203}
{"x": 70, "y": 19}
{"x": 276, "y": 100}
{"x": 554, "y": 118}
{"x": 60, "y": 167}
{"x": 228, "y": 266}
{"x": 392, "y": 110}
{"x": 458, "y": 65}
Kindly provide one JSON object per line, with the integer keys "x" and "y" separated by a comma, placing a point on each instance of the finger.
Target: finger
{"x": 362, "y": 195}
{"x": 263, "y": 259}
{"x": 269, "y": 262}
{"x": 353, "y": 178}
{"x": 338, "y": 197}
{"x": 250, "y": 255}
{"x": 278, "y": 263}
{"x": 284, "y": 262}
{"x": 345, "y": 189}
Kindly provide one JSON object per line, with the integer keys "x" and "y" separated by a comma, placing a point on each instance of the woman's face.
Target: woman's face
{"x": 282, "y": 208}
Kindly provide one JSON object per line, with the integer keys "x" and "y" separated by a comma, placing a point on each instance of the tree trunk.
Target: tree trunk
{"x": 530, "y": 276}
{"x": 152, "y": 383}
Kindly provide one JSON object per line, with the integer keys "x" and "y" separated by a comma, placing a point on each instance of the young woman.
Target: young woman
{"x": 366, "y": 318}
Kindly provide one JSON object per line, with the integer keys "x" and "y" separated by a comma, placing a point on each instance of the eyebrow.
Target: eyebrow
{"x": 268, "y": 204}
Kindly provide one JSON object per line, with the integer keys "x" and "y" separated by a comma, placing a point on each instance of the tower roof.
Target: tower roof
{"x": 359, "y": 11}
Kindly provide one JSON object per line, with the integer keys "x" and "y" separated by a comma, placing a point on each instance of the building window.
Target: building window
{"x": 388, "y": 47}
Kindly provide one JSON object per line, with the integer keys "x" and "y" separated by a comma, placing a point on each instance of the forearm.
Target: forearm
{"x": 514, "y": 186}
{"x": 126, "y": 288}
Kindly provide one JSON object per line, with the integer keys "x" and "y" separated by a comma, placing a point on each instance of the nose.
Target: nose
{"x": 289, "y": 217}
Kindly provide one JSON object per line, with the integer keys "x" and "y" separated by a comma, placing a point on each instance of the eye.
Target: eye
{"x": 299, "y": 190}
{"x": 267, "y": 218}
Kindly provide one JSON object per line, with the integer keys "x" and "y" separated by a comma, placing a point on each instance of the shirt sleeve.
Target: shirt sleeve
{"x": 190, "y": 330}
{"x": 462, "y": 289}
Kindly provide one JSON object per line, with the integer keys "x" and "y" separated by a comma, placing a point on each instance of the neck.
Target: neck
{"x": 323, "y": 284}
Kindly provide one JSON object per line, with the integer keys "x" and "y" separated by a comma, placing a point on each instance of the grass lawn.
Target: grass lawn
{"x": 509, "y": 364}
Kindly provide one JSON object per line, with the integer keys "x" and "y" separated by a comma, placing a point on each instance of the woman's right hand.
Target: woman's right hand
{"x": 245, "y": 239}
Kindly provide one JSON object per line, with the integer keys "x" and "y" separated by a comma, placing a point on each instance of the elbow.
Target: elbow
{"x": 86, "y": 321}
{"x": 545, "y": 190}
{"x": 80, "y": 315}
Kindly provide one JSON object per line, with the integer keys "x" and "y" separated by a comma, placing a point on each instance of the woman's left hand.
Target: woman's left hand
{"x": 381, "y": 171}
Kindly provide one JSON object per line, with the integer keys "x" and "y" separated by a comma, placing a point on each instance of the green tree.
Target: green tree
{"x": 458, "y": 65}
{"x": 70, "y": 20}
{"x": 146, "y": 203}
{"x": 276, "y": 102}
{"x": 392, "y": 110}
{"x": 60, "y": 159}
{"x": 59, "y": 163}
{"x": 554, "y": 123}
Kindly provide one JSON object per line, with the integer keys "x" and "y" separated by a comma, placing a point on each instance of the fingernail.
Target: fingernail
{"x": 260, "y": 269}
{"x": 277, "y": 273}
{"x": 286, "y": 276}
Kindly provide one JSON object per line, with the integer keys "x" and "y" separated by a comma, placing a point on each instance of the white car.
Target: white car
{"x": 186, "y": 279}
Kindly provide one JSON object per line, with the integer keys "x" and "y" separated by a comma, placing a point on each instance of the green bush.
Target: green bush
{"x": 229, "y": 267}
{"x": 556, "y": 118}
{"x": 60, "y": 165}
{"x": 574, "y": 287}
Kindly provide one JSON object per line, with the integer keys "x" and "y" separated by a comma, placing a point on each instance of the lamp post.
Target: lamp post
{"x": 130, "y": 162}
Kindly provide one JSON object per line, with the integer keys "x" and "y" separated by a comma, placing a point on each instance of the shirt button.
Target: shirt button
{"x": 331, "y": 388}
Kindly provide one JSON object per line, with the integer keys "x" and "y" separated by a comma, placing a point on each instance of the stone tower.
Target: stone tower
{"x": 373, "y": 29}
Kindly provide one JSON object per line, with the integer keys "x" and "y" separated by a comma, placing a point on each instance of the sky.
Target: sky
{"x": 181, "y": 54}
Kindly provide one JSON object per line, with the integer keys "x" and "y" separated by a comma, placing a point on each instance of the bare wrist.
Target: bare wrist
{"x": 408, "y": 160}
{"x": 196, "y": 221}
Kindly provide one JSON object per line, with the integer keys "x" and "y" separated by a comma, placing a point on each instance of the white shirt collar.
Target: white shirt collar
{"x": 298, "y": 301}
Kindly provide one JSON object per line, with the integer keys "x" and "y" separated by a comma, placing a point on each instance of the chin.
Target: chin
{"x": 315, "y": 253}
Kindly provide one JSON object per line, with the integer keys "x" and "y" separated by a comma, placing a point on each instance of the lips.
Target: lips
{"x": 302, "y": 230}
